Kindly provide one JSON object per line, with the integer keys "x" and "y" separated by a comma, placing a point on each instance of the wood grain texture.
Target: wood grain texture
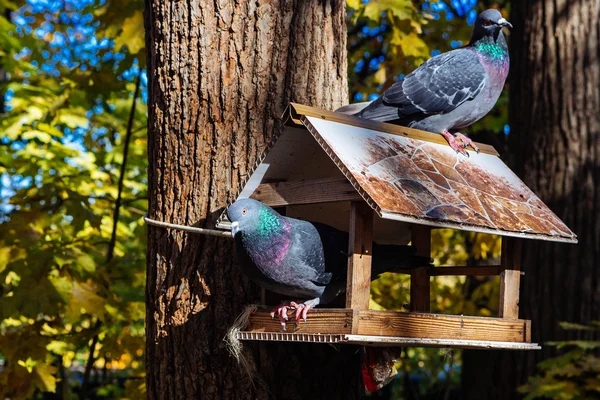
{"x": 484, "y": 270}
{"x": 360, "y": 249}
{"x": 419, "y": 279}
{"x": 436, "y": 326}
{"x": 306, "y": 192}
{"x": 510, "y": 281}
{"x": 382, "y": 341}
{"x": 220, "y": 75}
{"x": 326, "y": 321}
{"x": 396, "y": 324}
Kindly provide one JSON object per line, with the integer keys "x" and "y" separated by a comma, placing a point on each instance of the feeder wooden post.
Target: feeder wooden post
{"x": 360, "y": 246}
{"x": 510, "y": 278}
{"x": 419, "y": 279}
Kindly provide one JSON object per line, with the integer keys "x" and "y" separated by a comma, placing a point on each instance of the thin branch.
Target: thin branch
{"x": 90, "y": 363}
{"x": 113, "y": 238}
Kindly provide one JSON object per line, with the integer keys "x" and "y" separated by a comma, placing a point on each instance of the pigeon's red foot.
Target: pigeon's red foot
{"x": 466, "y": 141}
{"x": 302, "y": 308}
{"x": 281, "y": 312}
{"x": 454, "y": 144}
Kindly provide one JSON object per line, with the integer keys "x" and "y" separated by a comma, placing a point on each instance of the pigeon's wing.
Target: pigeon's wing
{"x": 306, "y": 253}
{"x": 439, "y": 85}
{"x": 335, "y": 250}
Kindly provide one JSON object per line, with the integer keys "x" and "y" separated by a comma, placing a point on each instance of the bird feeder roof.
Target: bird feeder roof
{"x": 407, "y": 175}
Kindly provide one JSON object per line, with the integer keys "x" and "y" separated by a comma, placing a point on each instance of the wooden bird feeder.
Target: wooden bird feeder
{"x": 393, "y": 185}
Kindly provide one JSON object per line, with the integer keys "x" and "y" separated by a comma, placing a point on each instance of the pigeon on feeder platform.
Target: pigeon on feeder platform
{"x": 450, "y": 91}
{"x": 303, "y": 260}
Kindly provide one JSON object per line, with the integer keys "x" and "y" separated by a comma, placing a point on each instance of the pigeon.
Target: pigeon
{"x": 304, "y": 260}
{"x": 450, "y": 91}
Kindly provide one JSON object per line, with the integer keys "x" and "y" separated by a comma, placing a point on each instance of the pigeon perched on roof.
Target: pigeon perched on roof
{"x": 449, "y": 91}
{"x": 302, "y": 260}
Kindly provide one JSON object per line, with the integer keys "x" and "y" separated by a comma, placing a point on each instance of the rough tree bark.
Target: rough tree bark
{"x": 220, "y": 76}
{"x": 555, "y": 117}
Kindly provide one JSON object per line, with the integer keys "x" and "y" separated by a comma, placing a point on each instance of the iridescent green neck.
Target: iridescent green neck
{"x": 491, "y": 50}
{"x": 492, "y": 47}
{"x": 268, "y": 222}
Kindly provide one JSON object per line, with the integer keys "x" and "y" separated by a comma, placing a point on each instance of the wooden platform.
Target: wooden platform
{"x": 385, "y": 341}
{"x": 395, "y": 328}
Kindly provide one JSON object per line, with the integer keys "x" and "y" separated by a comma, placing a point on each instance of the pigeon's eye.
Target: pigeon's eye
{"x": 244, "y": 211}
{"x": 487, "y": 23}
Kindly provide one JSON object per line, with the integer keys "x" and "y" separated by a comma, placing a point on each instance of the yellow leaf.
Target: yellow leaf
{"x": 354, "y": 4}
{"x": 410, "y": 44}
{"x": 72, "y": 120}
{"x": 380, "y": 76}
{"x": 79, "y": 296}
{"x": 12, "y": 278}
{"x": 58, "y": 347}
{"x": 39, "y": 135}
{"x": 29, "y": 364}
{"x": 401, "y": 9}
{"x": 46, "y": 381}
{"x": 132, "y": 34}
{"x": 4, "y": 257}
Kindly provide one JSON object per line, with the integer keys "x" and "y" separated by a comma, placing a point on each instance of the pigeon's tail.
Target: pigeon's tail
{"x": 395, "y": 258}
{"x": 378, "y": 111}
{"x": 354, "y": 108}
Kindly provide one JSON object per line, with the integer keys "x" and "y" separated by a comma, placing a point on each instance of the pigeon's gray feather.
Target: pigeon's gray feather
{"x": 298, "y": 258}
{"x": 452, "y": 90}
{"x": 439, "y": 86}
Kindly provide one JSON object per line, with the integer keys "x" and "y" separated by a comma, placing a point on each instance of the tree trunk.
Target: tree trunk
{"x": 220, "y": 75}
{"x": 555, "y": 120}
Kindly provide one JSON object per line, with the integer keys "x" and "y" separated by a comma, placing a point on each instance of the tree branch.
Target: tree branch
{"x": 113, "y": 238}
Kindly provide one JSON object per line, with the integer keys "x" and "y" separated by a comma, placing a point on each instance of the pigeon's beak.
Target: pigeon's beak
{"x": 235, "y": 228}
{"x": 504, "y": 22}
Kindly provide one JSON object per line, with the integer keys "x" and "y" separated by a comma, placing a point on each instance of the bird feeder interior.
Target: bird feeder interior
{"x": 393, "y": 185}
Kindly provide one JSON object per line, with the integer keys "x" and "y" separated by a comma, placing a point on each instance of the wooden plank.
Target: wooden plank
{"x": 511, "y": 253}
{"x": 438, "y": 326}
{"x": 330, "y": 321}
{"x": 484, "y": 270}
{"x": 387, "y": 341}
{"x": 528, "y": 331}
{"x": 360, "y": 245}
{"x": 509, "y": 294}
{"x": 313, "y": 191}
{"x": 391, "y": 323}
{"x": 384, "y": 341}
{"x": 419, "y": 279}
{"x": 510, "y": 278}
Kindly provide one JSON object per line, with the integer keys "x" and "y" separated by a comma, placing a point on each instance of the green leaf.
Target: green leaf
{"x": 87, "y": 262}
{"x": 582, "y": 344}
{"x": 576, "y": 327}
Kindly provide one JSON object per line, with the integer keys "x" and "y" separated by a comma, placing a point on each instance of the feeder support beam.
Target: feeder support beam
{"x": 360, "y": 248}
{"x": 419, "y": 279}
{"x": 510, "y": 281}
{"x": 510, "y": 278}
